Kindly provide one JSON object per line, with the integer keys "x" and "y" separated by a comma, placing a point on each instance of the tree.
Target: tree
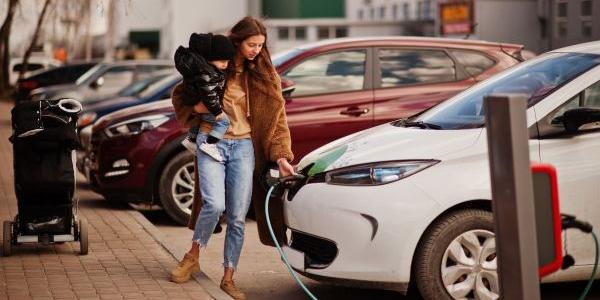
{"x": 5, "y": 46}
{"x": 36, "y": 33}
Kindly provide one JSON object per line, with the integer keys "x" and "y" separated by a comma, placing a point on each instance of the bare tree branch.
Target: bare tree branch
{"x": 5, "y": 46}
{"x": 36, "y": 33}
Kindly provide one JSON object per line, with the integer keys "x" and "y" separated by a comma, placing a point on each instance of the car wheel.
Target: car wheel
{"x": 456, "y": 258}
{"x": 176, "y": 187}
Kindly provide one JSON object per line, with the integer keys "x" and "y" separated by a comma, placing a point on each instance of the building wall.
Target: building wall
{"x": 572, "y": 22}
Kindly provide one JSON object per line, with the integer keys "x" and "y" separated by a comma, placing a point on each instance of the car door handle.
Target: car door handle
{"x": 354, "y": 111}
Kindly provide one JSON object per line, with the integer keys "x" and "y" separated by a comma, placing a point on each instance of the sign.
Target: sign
{"x": 456, "y": 17}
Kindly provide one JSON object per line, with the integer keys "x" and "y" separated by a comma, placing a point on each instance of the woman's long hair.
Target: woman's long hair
{"x": 261, "y": 68}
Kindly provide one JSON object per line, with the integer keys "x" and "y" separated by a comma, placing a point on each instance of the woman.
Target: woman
{"x": 258, "y": 133}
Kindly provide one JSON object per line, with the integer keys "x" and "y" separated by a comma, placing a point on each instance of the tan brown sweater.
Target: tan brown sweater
{"x": 271, "y": 139}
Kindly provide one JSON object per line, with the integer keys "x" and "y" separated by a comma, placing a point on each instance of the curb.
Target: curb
{"x": 210, "y": 286}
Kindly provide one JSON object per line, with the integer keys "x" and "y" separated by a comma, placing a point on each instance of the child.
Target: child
{"x": 202, "y": 66}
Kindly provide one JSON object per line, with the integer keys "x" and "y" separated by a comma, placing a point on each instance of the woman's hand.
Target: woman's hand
{"x": 200, "y": 108}
{"x": 285, "y": 169}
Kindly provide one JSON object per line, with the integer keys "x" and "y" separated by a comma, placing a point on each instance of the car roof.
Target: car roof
{"x": 406, "y": 39}
{"x": 590, "y": 48}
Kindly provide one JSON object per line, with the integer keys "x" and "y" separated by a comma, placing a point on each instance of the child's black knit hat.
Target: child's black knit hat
{"x": 212, "y": 47}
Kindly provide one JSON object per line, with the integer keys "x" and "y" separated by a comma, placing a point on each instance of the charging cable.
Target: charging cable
{"x": 283, "y": 256}
{"x": 569, "y": 221}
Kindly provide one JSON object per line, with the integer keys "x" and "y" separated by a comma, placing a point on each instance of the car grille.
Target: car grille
{"x": 319, "y": 252}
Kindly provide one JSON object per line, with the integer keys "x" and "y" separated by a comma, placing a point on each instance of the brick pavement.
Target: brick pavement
{"x": 125, "y": 261}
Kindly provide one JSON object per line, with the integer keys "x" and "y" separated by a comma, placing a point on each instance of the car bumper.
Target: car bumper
{"x": 375, "y": 230}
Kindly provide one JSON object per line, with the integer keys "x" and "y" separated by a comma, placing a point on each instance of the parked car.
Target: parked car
{"x": 34, "y": 63}
{"x": 46, "y": 77}
{"x": 412, "y": 198}
{"x": 103, "y": 79}
{"x": 332, "y": 88}
{"x": 153, "y": 88}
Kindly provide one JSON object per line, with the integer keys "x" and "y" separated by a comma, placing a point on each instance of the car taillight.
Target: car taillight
{"x": 30, "y": 85}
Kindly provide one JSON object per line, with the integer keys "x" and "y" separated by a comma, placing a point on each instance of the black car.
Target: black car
{"x": 59, "y": 75}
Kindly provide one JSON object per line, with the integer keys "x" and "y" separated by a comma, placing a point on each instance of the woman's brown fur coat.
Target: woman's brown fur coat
{"x": 271, "y": 140}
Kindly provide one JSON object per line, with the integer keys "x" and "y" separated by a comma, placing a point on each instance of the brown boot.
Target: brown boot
{"x": 184, "y": 270}
{"x": 228, "y": 286}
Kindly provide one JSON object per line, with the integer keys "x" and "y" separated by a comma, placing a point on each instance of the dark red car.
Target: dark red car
{"x": 333, "y": 88}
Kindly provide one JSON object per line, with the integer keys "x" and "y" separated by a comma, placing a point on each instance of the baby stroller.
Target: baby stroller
{"x": 44, "y": 138}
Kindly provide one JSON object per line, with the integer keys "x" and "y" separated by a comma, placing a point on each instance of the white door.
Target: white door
{"x": 576, "y": 157}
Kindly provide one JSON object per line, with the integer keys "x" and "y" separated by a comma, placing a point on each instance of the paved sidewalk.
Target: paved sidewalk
{"x": 125, "y": 261}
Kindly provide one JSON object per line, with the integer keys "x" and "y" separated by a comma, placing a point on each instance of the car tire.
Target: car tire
{"x": 456, "y": 258}
{"x": 177, "y": 178}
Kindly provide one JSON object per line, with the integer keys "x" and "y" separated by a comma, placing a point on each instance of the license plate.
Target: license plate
{"x": 294, "y": 257}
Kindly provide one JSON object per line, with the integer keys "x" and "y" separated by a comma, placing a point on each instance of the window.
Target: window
{"x": 395, "y": 11}
{"x": 406, "y": 9}
{"x": 427, "y": 9}
{"x": 341, "y": 32}
{"x": 329, "y": 73}
{"x": 118, "y": 77}
{"x": 300, "y": 33}
{"x": 590, "y": 97}
{"x": 473, "y": 62}
{"x": 30, "y": 67}
{"x": 537, "y": 78}
{"x": 412, "y": 66}
{"x": 419, "y": 10}
{"x": 323, "y": 33}
{"x": 361, "y": 14}
{"x": 283, "y": 33}
{"x": 372, "y": 13}
{"x": 586, "y": 8}
{"x": 562, "y": 10}
{"x": 562, "y": 29}
{"x": 382, "y": 12}
{"x": 586, "y": 29}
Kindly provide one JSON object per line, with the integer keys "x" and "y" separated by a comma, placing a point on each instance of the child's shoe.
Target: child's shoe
{"x": 189, "y": 144}
{"x": 212, "y": 151}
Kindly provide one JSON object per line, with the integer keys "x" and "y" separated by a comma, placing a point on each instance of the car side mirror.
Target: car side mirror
{"x": 574, "y": 118}
{"x": 97, "y": 83}
{"x": 287, "y": 87}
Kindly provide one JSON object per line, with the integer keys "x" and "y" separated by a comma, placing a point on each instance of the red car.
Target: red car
{"x": 332, "y": 88}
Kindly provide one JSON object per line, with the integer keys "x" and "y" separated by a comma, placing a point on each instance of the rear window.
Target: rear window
{"x": 474, "y": 63}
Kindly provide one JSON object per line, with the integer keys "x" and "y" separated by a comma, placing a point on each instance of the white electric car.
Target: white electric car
{"x": 409, "y": 201}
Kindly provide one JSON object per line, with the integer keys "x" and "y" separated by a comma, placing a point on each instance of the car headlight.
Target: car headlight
{"x": 377, "y": 173}
{"x": 137, "y": 125}
{"x": 86, "y": 119}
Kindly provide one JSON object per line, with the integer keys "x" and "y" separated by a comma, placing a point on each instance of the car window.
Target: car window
{"x": 328, "y": 73}
{"x": 590, "y": 97}
{"x": 536, "y": 78}
{"x": 118, "y": 77}
{"x": 473, "y": 62}
{"x": 30, "y": 67}
{"x": 156, "y": 87}
{"x": 413, "y": 66}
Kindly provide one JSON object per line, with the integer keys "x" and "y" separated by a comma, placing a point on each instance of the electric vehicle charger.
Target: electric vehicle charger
{"x": 568, "y": 222}
{"x": 287, "y": 182}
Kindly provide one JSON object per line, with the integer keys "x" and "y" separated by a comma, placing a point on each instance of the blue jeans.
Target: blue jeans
{"x": 219, "y": 127}
{"x": 225, "y": 186}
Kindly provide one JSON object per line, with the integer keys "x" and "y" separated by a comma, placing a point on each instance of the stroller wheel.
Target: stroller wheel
{"x": 83, "y": 237}
{"x": 7, "y": 238}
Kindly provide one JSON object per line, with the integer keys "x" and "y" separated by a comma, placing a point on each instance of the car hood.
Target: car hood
{"x": 387, "y": 143}
{"x": 158, "y": 107}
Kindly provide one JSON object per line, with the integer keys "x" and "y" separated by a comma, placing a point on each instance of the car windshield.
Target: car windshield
{"x": 139, "y": 86}
{"x": 87, "y": 75}
{"x": 284, "y": 56}
{"x": 536, "y": 78}
{"x": 159, "y": 86}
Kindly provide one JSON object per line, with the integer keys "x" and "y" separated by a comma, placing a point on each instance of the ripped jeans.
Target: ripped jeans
{"x": 225, "y": 186}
